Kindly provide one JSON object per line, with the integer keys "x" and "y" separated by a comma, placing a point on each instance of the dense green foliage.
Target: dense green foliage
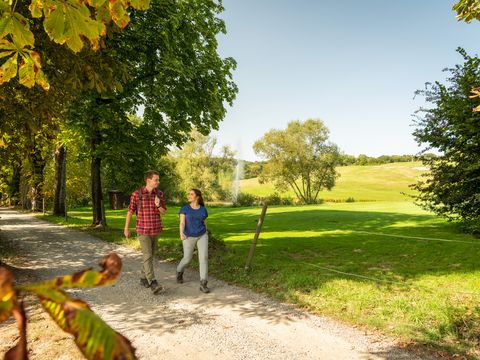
{"x": 198, "y": 167}
{"x": 299, "y": 157}
{"x": 452, "y": 187}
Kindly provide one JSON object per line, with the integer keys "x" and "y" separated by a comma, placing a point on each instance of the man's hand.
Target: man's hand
{"x": 126, "y": 232}
{"x": 158, "y": 205}
{"x": 182, "y": 236}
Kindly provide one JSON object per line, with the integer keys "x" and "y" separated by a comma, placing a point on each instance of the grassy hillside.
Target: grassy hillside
{"x": 363, "y": 183}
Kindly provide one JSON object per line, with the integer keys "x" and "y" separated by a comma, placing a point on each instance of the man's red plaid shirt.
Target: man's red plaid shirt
{"x": 149, "y": 221}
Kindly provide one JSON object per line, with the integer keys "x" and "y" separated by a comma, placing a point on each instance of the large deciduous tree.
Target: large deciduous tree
{"x": 449, "y": 126}
{"x": 174, "y": 73}
{"x": 299, "y": 157}
{"x": 30, "y": 115}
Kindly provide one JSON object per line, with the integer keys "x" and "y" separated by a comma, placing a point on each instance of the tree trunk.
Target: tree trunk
{"x": 14, "y": 186}
{"x": 97, "y": 196}
{"x": 38, "y": 165}
{"x": 96, "y": 191}
{"x": 60, "y": 180}
{"x": 24, "y": 200}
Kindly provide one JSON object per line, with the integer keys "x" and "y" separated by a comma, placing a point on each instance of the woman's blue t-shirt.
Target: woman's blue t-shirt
{"x": 194, "y": 220}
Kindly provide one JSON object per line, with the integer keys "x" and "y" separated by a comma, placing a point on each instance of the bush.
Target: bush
{"x": 276, "y": 199}
{"x": 350, "y": 199}
{"x": 244, "y": 199}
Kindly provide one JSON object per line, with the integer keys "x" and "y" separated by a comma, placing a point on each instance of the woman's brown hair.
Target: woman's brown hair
{"x": 199, "y": 196}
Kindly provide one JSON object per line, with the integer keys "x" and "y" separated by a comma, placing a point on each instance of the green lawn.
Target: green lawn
{"x": 362, "y": 183}
{"x": 385, "y": 264}
{"x": 333, "y": 260}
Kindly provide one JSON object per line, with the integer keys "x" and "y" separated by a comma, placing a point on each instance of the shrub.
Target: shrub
{"x": 244, "y": 199}
{"x": 276, "y": 199}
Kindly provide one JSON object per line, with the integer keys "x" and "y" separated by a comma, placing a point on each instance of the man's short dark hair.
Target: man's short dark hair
{"x": 150, "y": 174}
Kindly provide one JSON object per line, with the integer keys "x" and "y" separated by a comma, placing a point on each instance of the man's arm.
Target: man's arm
{"x": 126, "y": 231}
{"x": 132, "y": 207}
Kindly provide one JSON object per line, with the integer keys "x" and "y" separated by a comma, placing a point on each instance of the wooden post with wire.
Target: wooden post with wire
{"x": 255, "y": 238}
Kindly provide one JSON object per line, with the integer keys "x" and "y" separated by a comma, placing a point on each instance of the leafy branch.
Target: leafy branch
{"x": 66, "y": 22}
{"x": 94, "y": 338}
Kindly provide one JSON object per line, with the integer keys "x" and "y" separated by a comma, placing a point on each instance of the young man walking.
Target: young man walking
{"x": 148, "y": 202}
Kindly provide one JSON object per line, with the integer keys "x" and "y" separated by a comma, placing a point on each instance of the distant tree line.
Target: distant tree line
{"x": 253, "y": 169}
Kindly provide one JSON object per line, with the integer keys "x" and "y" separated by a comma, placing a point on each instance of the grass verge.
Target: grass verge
{"x": 385, "y": 265}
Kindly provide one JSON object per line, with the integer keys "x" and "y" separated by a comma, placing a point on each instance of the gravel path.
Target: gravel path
{"x": 183, "y": 323}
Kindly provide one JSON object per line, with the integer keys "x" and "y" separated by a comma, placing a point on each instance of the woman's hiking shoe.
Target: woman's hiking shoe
{"x": 203, "y": 286}
{"x": 179, "y": 277}
{"x": 144, "y": 282}
{"x": 155, "y": 287}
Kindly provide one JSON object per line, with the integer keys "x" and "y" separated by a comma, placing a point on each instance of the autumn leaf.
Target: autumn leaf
{"x": 119, "y": 13}
{"x": 8, "y": 70}
{"x": 67, "y": 24}
{"x": 36, "y": 8}
{"x": 140, "y": 4}
{"x": 21, "y": 32}
{"x": 7, "y": 294}
{"x": 19, "y": 351}
{"x": 94, "y": 338}
{"x": 5, "y": 25}
{"x": 26, "y": 72}
{"x": 111, "y": 267}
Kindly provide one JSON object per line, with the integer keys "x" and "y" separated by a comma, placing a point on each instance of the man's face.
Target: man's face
{"x": 153, "y": 181}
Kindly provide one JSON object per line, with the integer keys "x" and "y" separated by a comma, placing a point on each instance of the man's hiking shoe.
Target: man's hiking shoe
{"x": 144, "y": 282}
{"x": 155, "y": 287}
{"x": 203, "y": 287}
{"x": 179, "y": 277}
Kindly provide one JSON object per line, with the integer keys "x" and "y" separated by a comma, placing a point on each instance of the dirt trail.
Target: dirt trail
{"x": 183, "y": 323}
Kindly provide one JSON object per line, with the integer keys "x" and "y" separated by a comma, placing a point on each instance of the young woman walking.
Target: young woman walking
{"x": 193, "y": 232}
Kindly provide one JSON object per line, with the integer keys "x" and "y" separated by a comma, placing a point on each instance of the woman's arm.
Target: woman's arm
{"x": 182, "y": 227}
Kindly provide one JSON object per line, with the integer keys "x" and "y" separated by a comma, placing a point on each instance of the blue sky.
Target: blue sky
{"x": 353, "y": 64}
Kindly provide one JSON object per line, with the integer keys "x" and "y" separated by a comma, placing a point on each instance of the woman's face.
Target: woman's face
{"x": 191, "y": 196}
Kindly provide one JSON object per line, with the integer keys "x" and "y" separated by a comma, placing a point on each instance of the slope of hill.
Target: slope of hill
{"x": 388, "y": 182}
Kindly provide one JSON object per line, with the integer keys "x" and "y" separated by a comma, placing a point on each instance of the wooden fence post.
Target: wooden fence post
{"x": 255, "y": 238}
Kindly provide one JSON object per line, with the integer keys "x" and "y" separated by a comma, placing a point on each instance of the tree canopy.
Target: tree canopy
{"x": 67, "y": 22}
{"x": 450, "y": 127}
{"x": 300, "y": 157}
